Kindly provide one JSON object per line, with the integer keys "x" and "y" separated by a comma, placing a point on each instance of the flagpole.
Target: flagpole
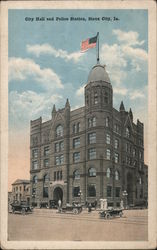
{"x": 98, "y": 48}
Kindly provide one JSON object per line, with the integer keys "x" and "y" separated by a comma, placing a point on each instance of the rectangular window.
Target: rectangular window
{"x": 76, "y": 191}
{"x": 57, "y": 147}
{"x": 108, "y": 154}
{"x": 76, "y": 143}
{"x": 59, "y": 159}
{"x": 34, "y": 165}
{"x": 117, "y": 191}
{"x": 116, "y": 128}
{"x": 116, "y": 143}
{"x": 92, "y": 153}
{"x": 58, "y": 174}
{"x": 45, "y": 192}
{"x": 61, "y": 145}
{"x": 46, "y": 151}
{"x": 108, "y": 139}
{"x": 46, "y": 162}
{"x": 91, "y": 190}
{"x": 35, "y": 153}
{"x": 109, "y": 191}
{"x": 92, "y": 138}
{"x": 76, "y": 157}
{"x": 78, "y": 127}
{"x": 116, "y": 157}
{"x": 33, "y": 191}
{"x": 55, "y": 176}
{"x": 95, "y": 98}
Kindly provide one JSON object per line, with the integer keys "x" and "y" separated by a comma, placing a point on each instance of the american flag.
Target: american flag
{"x": 88, "y": 44}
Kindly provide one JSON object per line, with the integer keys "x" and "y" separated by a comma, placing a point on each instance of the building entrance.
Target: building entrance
{"x": 130, "y": 188}
{"x": 58, "y": 194}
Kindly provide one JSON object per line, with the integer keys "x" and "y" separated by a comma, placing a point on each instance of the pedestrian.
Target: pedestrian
{"x": 59, "y": 206}
{"x": 95, "y": 204}
{"x": 89, "y": 208}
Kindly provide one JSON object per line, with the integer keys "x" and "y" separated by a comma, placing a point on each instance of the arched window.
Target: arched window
{"x": 116, "y": 175}
{"x": 46, "y": 178}
{"x": 59, "y": 130}
{"x": 92, "y": 172}
{"x": 127, "y": 132}
{"x": 76, "y": 175}
{"x": 35, "y": 179}
{"x": 108, "y": 173}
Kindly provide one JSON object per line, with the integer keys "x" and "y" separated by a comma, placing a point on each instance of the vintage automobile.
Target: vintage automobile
{"x": 21, "y": 207}
{"x": 74, "y": 208}
{"x": 111, "y": 213}
{"x": 53, "y": 204}
{"x": 44, "y": 204}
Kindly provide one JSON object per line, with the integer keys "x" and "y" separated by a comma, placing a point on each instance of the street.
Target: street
{"x": 46, "y": 225}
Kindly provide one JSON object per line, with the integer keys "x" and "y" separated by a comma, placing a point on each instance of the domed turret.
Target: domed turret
{"x": 98, "y": 91}
{"x": 98, "y": 73}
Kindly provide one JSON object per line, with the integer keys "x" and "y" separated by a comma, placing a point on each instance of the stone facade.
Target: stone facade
{"x": 21, "y": 191}
{"x": 89, "y": 153}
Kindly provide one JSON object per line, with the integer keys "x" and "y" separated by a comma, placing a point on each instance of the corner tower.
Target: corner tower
{"x": 98, "y": 91}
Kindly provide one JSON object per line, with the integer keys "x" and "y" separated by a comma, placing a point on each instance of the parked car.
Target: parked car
{"x": 21, "y": 207}
{"x": 53, "y": 204}
{"x": 44, "y": 204}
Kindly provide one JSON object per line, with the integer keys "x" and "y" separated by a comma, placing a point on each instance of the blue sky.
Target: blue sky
{"x": 46, "y": 66}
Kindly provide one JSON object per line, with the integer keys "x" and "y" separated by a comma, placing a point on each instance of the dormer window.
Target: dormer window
{"x": 59, "y": 131}
{"x": 127, "y": 132}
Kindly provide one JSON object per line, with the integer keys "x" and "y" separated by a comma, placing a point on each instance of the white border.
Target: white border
{"x": 152, "y": 136}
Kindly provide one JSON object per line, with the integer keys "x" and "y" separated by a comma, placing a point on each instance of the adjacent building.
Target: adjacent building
{"x": 21, "y": 190}
{"x": 89, "y": 153}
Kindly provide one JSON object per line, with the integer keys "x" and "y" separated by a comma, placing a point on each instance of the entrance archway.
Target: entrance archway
{"x": 130, "y": 188}
{"x": 58, "y": 194}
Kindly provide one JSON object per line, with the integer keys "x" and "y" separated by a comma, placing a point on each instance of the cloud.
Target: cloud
{"x": 46, "y": 49}
{"x": 80, "y": 91}
{"x": 20, "y": 69}
{"x": 136, "y": 94}
{"x": 30, "y": 105}
{"x": 135, "y": 53}
{"x": 130, "y": 38}
{"x": 120, "y": 91}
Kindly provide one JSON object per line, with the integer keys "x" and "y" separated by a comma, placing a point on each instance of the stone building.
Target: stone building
{"x": 89, "y": 153}
{"x": 21, "y": 190}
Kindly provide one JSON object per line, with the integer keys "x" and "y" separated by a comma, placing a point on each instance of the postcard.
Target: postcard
{"x": 78, "y": 125}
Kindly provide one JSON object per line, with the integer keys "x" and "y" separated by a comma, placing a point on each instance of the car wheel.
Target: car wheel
{"x": 75, "y": 211}
{"x": 107, "y": 216}
{"x": 23, "y": 211}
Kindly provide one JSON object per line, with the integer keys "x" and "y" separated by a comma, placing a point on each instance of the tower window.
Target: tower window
{"x": 106, "y": 97}
{"x": 95, "y": 98}
{"x": 107, "y": 122}
{"x": 108, "y": 139}
{"x": 92, "y": 153}
{"x": 108, "y": 154}
{"x": 76, "y": 157}
{"x": 76, "y": 175}
{"x": 92, "y": 122}
{"x": 127, "y": 132}
{"x": 116, "y": 143}
{"x": 108, "y": 173}
{"x": 92, "y": 138}
{"x": 92, "y": 172}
